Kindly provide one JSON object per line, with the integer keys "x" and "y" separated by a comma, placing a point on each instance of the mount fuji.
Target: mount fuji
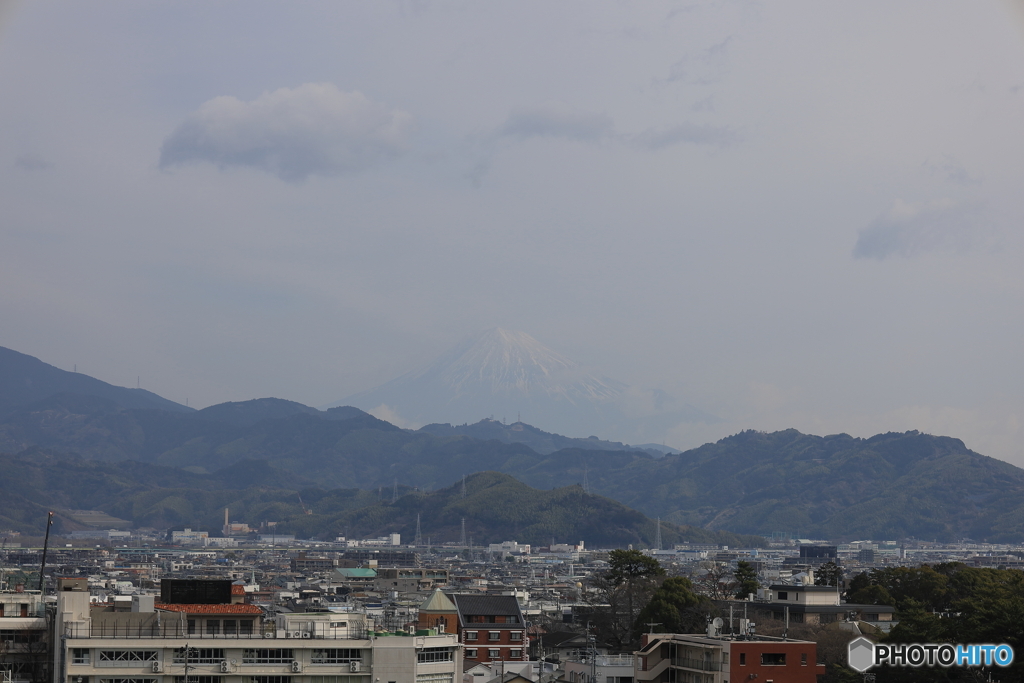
{"x": 508, "y": 374}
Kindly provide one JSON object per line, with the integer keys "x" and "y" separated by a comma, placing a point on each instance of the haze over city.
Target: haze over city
{"x": 788, "y": 214}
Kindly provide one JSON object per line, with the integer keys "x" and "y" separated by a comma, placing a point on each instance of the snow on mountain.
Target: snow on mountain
{"x": 507, "y": 374}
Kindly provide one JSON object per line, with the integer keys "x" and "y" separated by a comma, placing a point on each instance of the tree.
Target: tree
{"x": 675, "y": 607}
{"x": 746, "y": 576}
{"x": 631, "y": 565}
{"x": 625, "y": 588}
{"x": 715, "y": 581}
{"x": 828, "y": 574}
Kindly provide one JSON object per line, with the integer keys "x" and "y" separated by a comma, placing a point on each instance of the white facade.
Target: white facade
{"x": 296, "y": 648}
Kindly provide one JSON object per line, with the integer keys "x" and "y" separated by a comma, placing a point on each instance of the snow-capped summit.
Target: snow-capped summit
{"x": 504, "y": 374}
{"x": 515, "y": 364}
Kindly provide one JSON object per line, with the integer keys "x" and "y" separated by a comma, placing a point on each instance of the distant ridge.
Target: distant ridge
{"x": 25, "y": 380}
{"x": 505, "y": 374}
{"x": 537, "y": 439}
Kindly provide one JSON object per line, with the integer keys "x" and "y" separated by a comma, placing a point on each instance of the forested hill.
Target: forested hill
{"x": 884, "y": 487}
{"x": 495, "y": 506}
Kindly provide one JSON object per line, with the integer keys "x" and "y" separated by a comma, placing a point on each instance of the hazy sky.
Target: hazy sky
{"x": 791, "y": 214}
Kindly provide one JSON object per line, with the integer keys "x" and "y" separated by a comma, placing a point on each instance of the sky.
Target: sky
{"x": 788, "y": 214}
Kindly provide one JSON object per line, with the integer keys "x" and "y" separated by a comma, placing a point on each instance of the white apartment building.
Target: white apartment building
{"x": 232, "y": 643}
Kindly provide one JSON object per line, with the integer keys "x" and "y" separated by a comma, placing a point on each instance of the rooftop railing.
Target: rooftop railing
{"x": 177, "y": 631}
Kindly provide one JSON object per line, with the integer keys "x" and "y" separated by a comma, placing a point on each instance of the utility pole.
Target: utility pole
{"x": 46, "y": 545}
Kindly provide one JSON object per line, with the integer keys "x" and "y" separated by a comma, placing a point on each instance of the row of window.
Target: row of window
{"x": 19, "y": 636}
{"x": 484, "y": 619}
{"x": 493, "y": 635}
{"x": 258, "y": 679}
{"x": 471, "y": 653}
{"x": 215, "y": 627}
{"x": 429, "y": 655}
{"x": 773, "y": 659}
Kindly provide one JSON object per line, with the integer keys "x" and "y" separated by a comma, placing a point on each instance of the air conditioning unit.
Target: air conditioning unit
{"x": 296, "y": 634}
{"x": 157, "y": 667}
{"x": 353, "y": 667}
{"x": 296, "y": 667}
{"x": 307, "y": 634}
{"x": 225, "y": 667}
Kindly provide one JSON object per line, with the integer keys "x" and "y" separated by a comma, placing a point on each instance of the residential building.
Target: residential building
{"x": 24, "y": 639}
{"x": 409, "y": 579}
{"x": 490, "y": 627}
{"x": 687, "y": 658}
{"x": 232, "y": 642}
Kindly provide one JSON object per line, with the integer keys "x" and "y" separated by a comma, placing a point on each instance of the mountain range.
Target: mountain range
{"x": 884, "y": 487}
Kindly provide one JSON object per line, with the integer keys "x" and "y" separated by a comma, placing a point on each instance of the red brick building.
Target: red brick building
{"x": 490, "y": 627}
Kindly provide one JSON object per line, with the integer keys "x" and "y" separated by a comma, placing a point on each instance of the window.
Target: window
{"x": 191, "y": 626}
{"x": 79, "y": 656}
{"x": 429, "y": 655}
{"x": 803, "y": 659}
{"x": 515, "y": 654}
{"x": 783, "y": 595}
{"x": 19, "y": 636}
{"x": 127, "y": 680}
{"x": 470, "y": 653}
{"x": 470, "y": 635}
{"x": 494, "y": 654}
{"x": 743, "y": 659}
{"x": 338, "y": 624}
{"x": 517, "y": 635}
{"x": 267, "y": 656}
{"x": 245, "y": 627}
{"x": 212, "y": 627}
{"x": 269, "y": 679}
{"x": 126, "y": 657}
{"x": 773, "y": 659}
{"x": 335, "y": 656}
{"x": 198, "y": 679}
{"x": 230, "y": 627}
{"x": 200, "y": 655}
{"x": 494, "y": 635}
{"x": 329, "y": 679}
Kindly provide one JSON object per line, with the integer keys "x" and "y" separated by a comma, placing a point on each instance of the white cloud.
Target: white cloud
{"x": 314, "y": 129}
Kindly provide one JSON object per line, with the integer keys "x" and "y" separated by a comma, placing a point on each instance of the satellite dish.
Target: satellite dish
{"x": 717, "y": 623}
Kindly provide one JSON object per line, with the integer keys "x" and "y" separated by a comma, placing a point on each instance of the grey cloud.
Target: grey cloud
{"x": 558, "y": 123}
{"x": 909, "y": 230}
{"x": 31, "y": 162}
{"x": 314, "y": 129}
{"x": 705, "y": 68}
{"x": 952, "y": 170}
{"x": 694, "y": 133}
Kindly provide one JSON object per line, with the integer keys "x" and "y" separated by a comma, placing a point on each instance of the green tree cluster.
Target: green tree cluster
{"x": 949, "y": 603}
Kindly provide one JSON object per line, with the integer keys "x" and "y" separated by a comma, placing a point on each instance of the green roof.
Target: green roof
{"x": 357, "y": 573}
{"x": 438, "y": 602}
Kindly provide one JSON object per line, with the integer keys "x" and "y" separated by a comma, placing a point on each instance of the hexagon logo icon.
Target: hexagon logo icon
{"x": 861, "y": 654}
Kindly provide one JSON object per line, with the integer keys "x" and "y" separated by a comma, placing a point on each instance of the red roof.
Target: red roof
{"x": 238, "y": 590}
{"x": 210, "y": 609}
